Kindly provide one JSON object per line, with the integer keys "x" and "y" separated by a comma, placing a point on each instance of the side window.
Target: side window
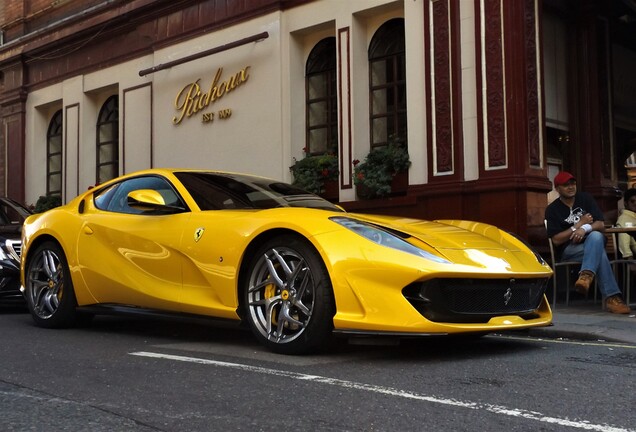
{"x": 115, "y": 197}
{"x": 102, "y": 198}
{"x": 9, "y": 215}
{"x": 213, "y": 192}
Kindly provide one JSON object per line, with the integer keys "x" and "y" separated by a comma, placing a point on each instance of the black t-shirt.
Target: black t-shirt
{"x": 560, "y": 217}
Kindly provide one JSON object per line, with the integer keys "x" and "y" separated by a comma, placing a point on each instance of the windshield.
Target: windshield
{"x": 218, "y": 191}
{"x": 12, "y": 211}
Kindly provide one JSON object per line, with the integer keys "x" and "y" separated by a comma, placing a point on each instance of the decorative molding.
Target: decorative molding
{"x": 493, "y": 85}
{"x": 66, "y": 118}
{"x": 441, "y": 77}
{"x": 228, "y": 46}
{"x": 14, "y": 172}
{"x": 122, "y": 120}
{"x": 344, "y": 107}
{"x": 443, "y": 71}
{"x": 533, "y": 78}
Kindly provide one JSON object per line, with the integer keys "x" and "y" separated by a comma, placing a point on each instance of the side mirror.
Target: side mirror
{"x": 145, "y": 199}
{"x": 151, "y": 201}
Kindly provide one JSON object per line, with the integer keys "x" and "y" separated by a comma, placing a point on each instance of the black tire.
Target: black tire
{"x": 48, "y": 287}
{"x": 288, "y": 296}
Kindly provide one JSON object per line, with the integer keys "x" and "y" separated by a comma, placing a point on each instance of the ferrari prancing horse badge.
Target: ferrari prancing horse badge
{"x": 198, "y": 233}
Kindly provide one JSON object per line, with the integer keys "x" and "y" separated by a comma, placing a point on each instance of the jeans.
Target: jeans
{"x": 593, "y": 258}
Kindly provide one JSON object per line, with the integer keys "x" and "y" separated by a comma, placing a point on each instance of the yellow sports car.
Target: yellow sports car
{"x": 294, "y": 267}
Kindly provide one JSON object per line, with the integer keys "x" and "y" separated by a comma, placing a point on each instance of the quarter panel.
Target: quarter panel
{"x": 62, "y": 225}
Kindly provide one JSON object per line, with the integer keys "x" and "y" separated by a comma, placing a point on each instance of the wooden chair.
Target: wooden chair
{"x": 568, "y": 266}
{"x": 621, "y": 266}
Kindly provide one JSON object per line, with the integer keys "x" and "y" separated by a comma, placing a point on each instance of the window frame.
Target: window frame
{"x": 388, "y": 45}
{"x": 108, "y": 117}
{"x": 55, "y": 130}
{"x": 114, "y": 190}
{"x": 321, "y": 62}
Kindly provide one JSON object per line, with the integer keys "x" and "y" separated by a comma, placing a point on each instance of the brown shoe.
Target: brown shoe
{"x": 584, "y": 281}
{"x": 615, "y": 304}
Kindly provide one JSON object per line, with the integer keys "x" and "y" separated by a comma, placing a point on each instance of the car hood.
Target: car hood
{"x": 445, "y": 234}
{"x": 469, "y": 243}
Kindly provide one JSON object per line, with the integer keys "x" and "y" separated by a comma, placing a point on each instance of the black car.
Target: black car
{"x": 12, "y": 215}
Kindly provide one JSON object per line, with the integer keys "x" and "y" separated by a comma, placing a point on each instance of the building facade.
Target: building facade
{"x": 491, "y": 97}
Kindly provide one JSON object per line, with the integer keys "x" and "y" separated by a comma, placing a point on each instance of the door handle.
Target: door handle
{"x": 88, "y": 230}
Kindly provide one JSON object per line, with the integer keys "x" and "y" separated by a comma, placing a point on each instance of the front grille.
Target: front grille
{"x": 475, "y": 300}
{"x": 14, "y": 247}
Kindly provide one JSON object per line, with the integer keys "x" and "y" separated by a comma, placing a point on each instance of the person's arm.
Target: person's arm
{"x": 623, "y": 240}
{"x": 562, "y": 237}
{"x": 598, "y": 226}
{"x": 576, "y": 233}
{"x": 595, "y": 213}
{"x": 624, "y": 245}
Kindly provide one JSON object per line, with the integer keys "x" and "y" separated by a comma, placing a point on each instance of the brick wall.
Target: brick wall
{"x": 41, "y": 13}
{"x": 11, "y": 12}
{"x": 19, "y": 17}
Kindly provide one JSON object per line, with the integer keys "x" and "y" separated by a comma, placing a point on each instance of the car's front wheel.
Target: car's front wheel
{"x": 289, "y": 297}
{"x": 48, "y": 287}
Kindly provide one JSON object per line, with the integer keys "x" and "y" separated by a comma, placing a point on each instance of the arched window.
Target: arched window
{"x": 387, "y": 84}
{"x": 54, "y": 156}
{"x": 108, "y": 140}
{"x": 321, "y": 96}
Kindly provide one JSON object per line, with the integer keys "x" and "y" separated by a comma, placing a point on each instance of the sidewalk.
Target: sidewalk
{"x": 585, "y": 320}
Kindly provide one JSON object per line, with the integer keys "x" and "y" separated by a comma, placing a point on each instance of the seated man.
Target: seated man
{"x": 575, "y": 225}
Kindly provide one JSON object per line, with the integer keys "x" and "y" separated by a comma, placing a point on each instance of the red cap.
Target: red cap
{"x": 562, "y": 178}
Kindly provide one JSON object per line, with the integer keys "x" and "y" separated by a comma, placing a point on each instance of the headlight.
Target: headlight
{"x": 3, "y": 255}
{"x": 385, "y": 238}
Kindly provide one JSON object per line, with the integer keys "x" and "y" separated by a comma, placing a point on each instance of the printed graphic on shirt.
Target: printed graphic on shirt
{"x": 575, "y": 215}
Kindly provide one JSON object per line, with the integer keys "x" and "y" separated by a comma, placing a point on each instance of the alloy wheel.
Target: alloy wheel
{"x": 281, "y": 295}
{"x": 45, "y": 287}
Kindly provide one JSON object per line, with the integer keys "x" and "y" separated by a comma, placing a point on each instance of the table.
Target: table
{"x": 617, "y": 230}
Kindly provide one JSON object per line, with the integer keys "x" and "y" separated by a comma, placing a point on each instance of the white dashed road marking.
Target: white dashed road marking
{"x": 496, "y": 409}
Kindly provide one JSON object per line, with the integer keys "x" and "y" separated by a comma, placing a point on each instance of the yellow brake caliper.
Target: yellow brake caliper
{"x": 270, "y": 291}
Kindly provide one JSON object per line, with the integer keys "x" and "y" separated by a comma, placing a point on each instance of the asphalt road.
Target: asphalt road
{"x": 128, "y": 374}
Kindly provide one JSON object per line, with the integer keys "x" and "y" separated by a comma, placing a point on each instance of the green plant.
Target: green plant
{"x": 379, "y": 167}
{"x": 45, "y": 203}
{"x": 311, "y": 172}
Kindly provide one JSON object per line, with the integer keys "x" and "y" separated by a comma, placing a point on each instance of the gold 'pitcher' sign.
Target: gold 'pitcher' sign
{"x": 190, "y": 100}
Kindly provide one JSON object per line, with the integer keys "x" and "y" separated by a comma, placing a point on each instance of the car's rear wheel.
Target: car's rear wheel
{"x": 48, "y": 287}
{"x": 289, "y": 297}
